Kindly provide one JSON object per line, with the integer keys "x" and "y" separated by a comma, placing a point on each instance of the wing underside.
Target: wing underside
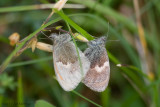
{"x": 67, "y": 67}
{"x": 97, "y": 77}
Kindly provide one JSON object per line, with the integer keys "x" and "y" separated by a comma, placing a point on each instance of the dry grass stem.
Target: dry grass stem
{"x": 143, "y": 51}
{"x": 50, "y": 6}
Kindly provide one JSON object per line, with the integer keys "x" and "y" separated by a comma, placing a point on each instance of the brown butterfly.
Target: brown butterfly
{"x": 66, "y": 63}
{"x": 97, "y": 77}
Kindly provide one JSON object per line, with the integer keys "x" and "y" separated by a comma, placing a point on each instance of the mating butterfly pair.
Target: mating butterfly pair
{"x": 95, "y": 70}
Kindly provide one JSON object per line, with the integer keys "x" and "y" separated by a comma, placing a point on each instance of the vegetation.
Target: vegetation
{"x": 27, "y": 78}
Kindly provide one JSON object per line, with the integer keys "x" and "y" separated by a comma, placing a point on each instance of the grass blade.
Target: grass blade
{"x": 29, "y": 62}
{"x": 86, "y": 99}
{"x": 20, "y": 91}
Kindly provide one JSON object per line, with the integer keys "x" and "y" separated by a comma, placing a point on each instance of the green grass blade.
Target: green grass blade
{"x": 86, "y": 99}
{"x": 156, "y": 96}
{"x": 113, "y": 58}
{"x": 20, "y": 91}
{"x": 29, "y": 62}
{"x": 18, "y": 8}
{"x": 79, "y": 59}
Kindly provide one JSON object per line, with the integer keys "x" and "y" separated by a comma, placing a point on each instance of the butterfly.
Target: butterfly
{"x": 97, "y": 77}
{"x": 66, "y": 62}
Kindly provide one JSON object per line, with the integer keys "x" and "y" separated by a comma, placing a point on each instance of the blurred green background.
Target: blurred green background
{"x": 28, "y": 81}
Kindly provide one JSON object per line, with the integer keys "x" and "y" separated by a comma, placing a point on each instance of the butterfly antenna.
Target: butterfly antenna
{"x": 113, "y": 40}
{"x": 44, "y": 34}
{"x": 108, "y": 31}
{"x": 49, "y": 28}
{"x": 43, "y": 38}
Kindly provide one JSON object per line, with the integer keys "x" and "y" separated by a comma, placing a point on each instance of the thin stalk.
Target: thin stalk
{"x": 37, "y": 7}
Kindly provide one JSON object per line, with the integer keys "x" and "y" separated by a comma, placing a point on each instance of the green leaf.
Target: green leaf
{"x": 42, "y": 103}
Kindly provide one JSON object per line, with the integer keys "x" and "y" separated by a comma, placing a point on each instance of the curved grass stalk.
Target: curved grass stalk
{"x": 12, "y": 55}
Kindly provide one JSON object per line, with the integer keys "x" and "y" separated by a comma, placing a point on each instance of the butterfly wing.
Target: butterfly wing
{"x": 97, "y": 77}
{"x": 67, "y": 67}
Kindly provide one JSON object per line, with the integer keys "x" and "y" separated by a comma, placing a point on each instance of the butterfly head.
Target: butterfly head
{"x": 59, "y": 39}
{"x": 97, "y": 42}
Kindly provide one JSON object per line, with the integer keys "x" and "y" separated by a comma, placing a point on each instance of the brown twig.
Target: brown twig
{"x": 143, "y": 52}
{"x": 140, "y": 27}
